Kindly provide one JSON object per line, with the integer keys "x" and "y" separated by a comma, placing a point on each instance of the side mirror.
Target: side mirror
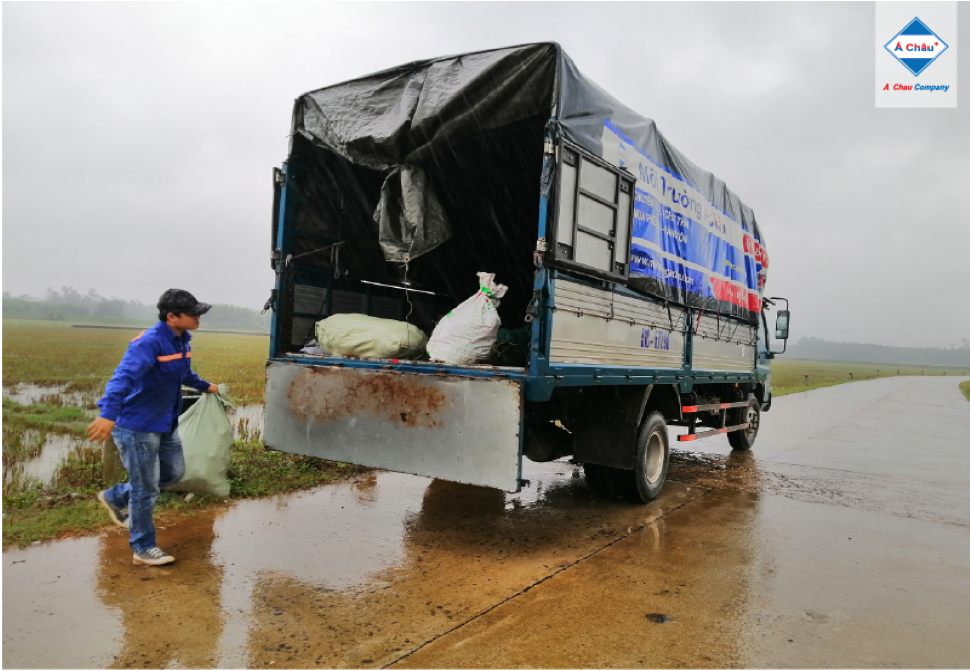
{"x": 781, "y": 325}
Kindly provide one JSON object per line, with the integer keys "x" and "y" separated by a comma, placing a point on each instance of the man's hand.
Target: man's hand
{"x": 100, "y": 430}
{"x": 212, "y": 389}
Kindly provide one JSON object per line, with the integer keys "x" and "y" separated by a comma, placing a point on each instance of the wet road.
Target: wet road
{"x": 842, "y": 540}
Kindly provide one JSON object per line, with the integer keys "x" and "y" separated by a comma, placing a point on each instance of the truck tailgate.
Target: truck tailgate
{"x": 450, "y": 427}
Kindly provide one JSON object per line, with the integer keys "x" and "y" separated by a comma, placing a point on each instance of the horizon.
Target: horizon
{"x": 964, "y": 342}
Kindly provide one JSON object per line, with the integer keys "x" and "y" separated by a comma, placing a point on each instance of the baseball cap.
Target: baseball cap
{"x": 182, "y": 302}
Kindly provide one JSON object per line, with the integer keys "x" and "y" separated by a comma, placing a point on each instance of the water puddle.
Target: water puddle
{"x": 247, "y": 422}
{"x": 334, "y": 576}
{"x": 29, "y": 394}
{"x": 43, "y": 467}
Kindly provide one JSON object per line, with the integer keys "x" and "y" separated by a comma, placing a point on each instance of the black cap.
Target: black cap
{"x": 182, "y": 302}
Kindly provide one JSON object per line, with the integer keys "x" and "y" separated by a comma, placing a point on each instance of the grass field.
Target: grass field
{"x": 789, "y": 376}
{"x": 48, "y": 353}
{"x": 82, "y": 360}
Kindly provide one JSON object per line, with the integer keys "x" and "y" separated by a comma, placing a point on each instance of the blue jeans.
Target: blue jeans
{"x": 154, "y": 461}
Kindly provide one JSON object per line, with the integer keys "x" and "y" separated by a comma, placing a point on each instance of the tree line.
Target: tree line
{"x": 69, "y": 303}
{"x": 815, "y": 348}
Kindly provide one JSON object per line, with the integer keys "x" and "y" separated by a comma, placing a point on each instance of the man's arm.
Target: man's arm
{"x": 137, "y": 361}
{"x": 195, "y": 381}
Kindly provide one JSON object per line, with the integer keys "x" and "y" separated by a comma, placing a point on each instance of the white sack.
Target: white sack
{"x": 467, "y": 333}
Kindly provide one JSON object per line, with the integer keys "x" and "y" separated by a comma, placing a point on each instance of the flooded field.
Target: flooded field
{"x": 36, "y": 455}
{"x": 53, "y": 452}
{"x": 29, "y": 394}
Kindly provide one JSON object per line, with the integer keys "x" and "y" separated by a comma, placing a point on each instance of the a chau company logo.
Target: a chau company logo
{"x": 916, "y": 46}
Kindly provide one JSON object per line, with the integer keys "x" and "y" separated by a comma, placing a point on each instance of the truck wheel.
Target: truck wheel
{"x": 742, "y": 440}
{"x": 643, "y": 483}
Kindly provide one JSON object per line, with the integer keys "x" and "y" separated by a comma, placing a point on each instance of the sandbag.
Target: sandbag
{"x": 467, "y": 333}
{"x": 207, "y": 438}
{"x": 362, "y": 336}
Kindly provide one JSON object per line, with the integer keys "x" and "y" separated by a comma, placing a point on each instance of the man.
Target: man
{"x": 140, "y": 410}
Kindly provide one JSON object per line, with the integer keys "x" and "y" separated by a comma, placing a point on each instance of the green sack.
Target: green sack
{"x": 362, "y": 336}
{"x": 207, "y": 438}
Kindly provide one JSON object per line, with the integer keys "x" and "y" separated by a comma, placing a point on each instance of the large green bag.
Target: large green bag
{"x": 363, "y": 336}
{"x": 207, "y": 439}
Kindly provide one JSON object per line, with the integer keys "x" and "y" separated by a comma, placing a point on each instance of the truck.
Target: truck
{"x": 635, "y": 278}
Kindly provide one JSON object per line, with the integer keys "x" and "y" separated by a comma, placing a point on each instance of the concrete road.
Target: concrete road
{"x": 842, "y": 540}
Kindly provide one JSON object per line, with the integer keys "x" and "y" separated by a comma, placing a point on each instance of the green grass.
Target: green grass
{"x": 68, "y": 507}
{"x": 47, "y": 417}
{"x": 256, "y": 472}
{"x": 788, "y": 376}
{"x": 965, "y": 387}
{"x": 11, "y": 317}
{"x": 25, "y": 428}
{"x": 48, "y": 353}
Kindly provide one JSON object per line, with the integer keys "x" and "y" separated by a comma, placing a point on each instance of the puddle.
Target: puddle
{"x": 43, "y": 467}
{"x": 659, "y": 618}
{"x": 247, "y": 422}
{"x": 347, "y": 560}
{"x": 29, "y": 394}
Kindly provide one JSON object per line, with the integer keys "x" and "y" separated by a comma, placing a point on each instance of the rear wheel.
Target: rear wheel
{"x": 742, "y": 440}
{"x": 643, "y": 483}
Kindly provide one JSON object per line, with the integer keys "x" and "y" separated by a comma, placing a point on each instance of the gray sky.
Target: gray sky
{"x": 138, "y": 140}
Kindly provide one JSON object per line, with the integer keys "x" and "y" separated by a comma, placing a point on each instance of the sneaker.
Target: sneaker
{"x": 119, "y": 517}
{"x": 153, "y": 556}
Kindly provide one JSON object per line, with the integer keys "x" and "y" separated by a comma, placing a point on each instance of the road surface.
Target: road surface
{"x": 842, "y": 540}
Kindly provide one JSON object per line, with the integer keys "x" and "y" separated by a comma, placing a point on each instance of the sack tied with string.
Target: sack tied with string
{"x": 467, "y": 333}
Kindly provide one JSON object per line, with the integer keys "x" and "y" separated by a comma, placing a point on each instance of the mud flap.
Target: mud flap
{"x": 462, "y": 429}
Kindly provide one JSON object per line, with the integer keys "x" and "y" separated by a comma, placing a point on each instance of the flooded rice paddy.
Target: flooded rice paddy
{"x": 28, "y": 394}
{"x": 39, "y": 454}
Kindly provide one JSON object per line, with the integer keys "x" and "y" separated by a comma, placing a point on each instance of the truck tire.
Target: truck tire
{"x": 743, "y": 440}
{"x": 643, "y": 483}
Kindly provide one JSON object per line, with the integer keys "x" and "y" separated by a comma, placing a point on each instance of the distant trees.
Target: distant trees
{"x": 110, "y": 308}
{"x": 69, "y": 303}
{"x": 231, "y": 317}
{"x": 818, "y": 349}
{"x": 54, "y": 306}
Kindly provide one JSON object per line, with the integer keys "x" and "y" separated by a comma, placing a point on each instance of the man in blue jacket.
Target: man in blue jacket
{"x": 140, "y": 410}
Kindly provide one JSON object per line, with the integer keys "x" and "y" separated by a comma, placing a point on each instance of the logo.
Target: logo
{"x": 752, "y": 247}
{"x": 622, "y": 155}
{"x": 916, "y": 46}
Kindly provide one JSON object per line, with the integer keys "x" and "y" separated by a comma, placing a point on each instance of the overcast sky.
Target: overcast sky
{"x": 138, "y": 140}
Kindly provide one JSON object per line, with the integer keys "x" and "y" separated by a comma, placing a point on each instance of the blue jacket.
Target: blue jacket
{"x": 145, "y": 392}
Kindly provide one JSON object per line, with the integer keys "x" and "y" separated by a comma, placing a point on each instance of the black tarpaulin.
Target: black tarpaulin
{"x": 440, "y": 161}
{"x": 391, "y": 121}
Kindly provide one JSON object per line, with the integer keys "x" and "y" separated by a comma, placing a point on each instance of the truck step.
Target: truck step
{"x": 710, "y": 433}
{"x": 690, "y": 409}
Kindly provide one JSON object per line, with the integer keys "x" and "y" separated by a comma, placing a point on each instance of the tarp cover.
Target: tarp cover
{"x": 694, "y": 241}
